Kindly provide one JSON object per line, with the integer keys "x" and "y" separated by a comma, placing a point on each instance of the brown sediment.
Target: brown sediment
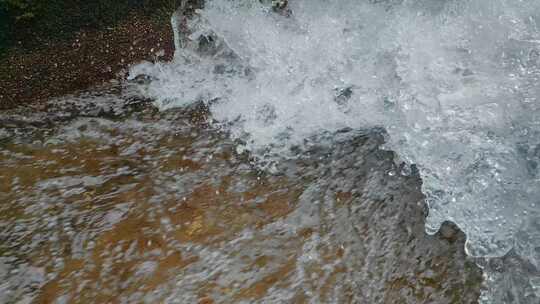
{"x": 370, "y": 245}
{"x": 343, "y": 197}
{"x": 261, "y": 287}
{"x": 201, "y": 218}
{"x": 90, "y": 58}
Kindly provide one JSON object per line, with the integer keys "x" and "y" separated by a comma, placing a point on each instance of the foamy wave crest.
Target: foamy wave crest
{"x": 453, "y": 83}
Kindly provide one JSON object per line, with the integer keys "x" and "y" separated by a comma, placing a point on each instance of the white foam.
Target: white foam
{"x": 454, "y": 83}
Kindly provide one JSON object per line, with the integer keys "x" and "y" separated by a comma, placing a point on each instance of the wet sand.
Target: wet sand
{"x": 90, "y": 58}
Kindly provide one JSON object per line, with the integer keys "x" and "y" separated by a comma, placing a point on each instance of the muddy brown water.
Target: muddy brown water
{"x": 103, "y": 199}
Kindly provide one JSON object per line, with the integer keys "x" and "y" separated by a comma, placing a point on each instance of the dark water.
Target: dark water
{"x": 103, "y": 199}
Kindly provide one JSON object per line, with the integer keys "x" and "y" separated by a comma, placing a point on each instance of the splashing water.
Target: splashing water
{"x": 106, "y": 200}
{"x": 453, "y": 83}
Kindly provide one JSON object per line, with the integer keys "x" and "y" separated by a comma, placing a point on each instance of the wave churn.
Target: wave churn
{"x": 454, "y": 84}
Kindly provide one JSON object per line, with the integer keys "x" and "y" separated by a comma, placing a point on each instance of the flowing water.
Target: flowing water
{"x": 453, "y": 83}
{"x": 257, "y": 166}
{"x": 107, "y": 200}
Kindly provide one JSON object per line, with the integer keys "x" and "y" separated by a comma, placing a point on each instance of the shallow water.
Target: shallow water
{"x": 454, "y": 84}
{"x": 107, "y": 200}
{"x": 264, "y": 174}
